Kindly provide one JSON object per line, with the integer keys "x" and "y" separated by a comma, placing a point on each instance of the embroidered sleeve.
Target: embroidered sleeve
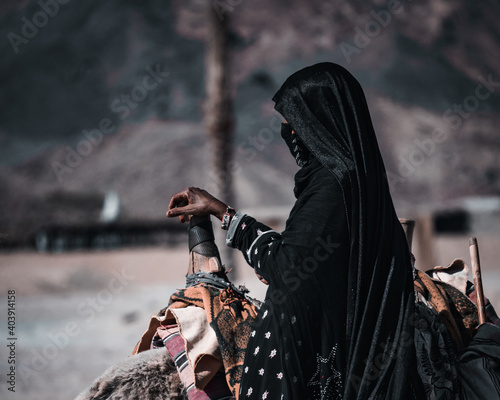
{"x": 313, "y": 236}
{"x": 253, "y": 238}
{"x": 233, "y": 225}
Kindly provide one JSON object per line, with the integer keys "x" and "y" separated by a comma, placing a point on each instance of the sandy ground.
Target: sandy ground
{"x": 79, "y": 313}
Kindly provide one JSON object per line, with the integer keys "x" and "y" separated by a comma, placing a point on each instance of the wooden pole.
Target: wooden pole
{"x": 218, "y": 114}
{"x": 424, "y": 238}
{"x": 208, "y": 261}
{"x": 478, "y": 282}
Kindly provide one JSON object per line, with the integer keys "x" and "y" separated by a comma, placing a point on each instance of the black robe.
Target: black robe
{"x": 336, "y": 323}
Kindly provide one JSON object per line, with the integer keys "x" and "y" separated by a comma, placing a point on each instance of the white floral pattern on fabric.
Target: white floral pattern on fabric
{"x": 267, "y": 373}
{"x": 256, "y": 240}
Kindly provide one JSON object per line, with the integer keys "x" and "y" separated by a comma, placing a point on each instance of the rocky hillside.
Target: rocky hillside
{"x": 108, "y": 95}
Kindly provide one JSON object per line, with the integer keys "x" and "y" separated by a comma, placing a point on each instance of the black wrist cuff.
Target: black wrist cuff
{"x": 200, "y": 233}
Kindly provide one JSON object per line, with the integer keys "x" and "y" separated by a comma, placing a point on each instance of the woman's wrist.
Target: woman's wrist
{"x": 219, "y": 209}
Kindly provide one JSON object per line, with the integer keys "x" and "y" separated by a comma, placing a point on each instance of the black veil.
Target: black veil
{"x": 326, "y": 107}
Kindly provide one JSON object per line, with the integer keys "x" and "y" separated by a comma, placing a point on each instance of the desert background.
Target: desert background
{"x": 103, "y": 119}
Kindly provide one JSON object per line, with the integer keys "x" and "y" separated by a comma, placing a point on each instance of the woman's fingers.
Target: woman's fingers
{"x": 182, "y": 211}
{"x": 179, "y": 199}
{"x": 194, "y": 201}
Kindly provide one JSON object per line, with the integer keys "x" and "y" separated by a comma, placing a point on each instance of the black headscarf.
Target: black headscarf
{"x": 326, "y": 107}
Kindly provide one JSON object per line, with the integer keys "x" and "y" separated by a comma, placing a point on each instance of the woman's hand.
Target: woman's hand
{"x": 194, "y": 201}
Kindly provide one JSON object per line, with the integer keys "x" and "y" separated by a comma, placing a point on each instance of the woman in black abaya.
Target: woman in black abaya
{"x": 336, "y": 320}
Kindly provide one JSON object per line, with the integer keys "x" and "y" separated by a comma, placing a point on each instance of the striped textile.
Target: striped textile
{"x": 217, "y": 389}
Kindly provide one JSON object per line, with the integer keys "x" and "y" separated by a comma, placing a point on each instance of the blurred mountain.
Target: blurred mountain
{"x": 143, "y": 164}
{"x": 134, "y": 72}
